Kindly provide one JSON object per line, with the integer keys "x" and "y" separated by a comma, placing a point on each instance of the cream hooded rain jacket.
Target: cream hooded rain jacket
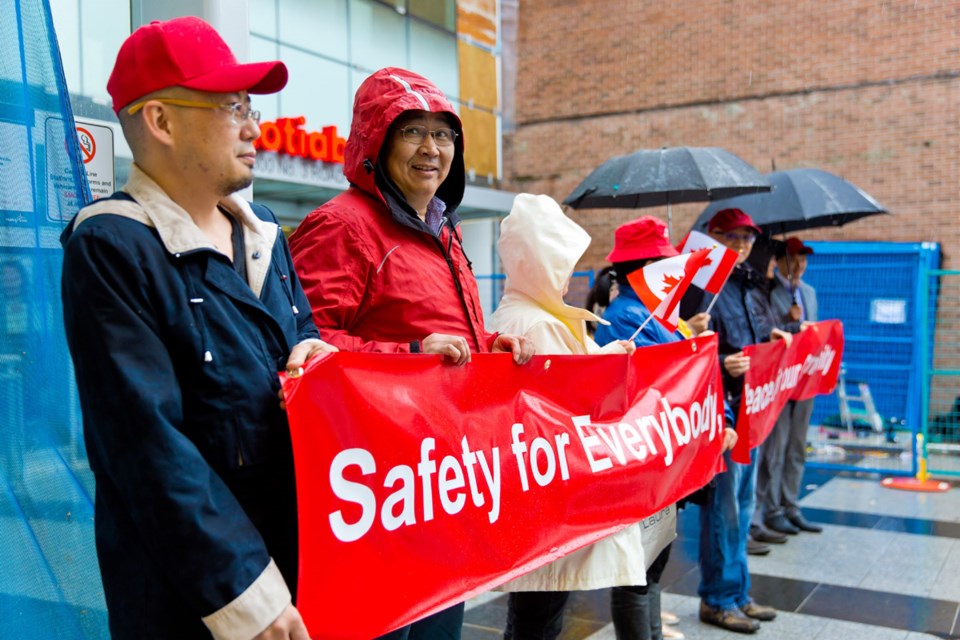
{"x": 540, "y": 247}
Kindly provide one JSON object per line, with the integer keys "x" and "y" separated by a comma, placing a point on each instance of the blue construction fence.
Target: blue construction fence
{"x": 879, "y": 291}
{"x": 49, "y": 583}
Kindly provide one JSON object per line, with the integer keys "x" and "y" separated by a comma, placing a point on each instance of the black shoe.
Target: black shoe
{"x": 755, "y": 548}
{"x": 729, "y": 619}
{"x": 762, "y": 534}
{"x": 803, "y": 524}
{"x": 780, "y": 524}
{"x": 759, "y": 611}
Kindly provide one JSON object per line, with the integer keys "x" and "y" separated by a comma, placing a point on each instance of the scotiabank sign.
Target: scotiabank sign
{"x": 286, "y": 135}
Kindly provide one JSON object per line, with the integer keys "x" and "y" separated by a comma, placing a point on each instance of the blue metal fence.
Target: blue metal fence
{"x": 877, "y": 290}
{"x": 49, "y": 581}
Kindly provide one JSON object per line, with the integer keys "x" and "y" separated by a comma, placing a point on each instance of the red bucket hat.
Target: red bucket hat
{"x": 641, "y": 239}
{"x": 185, "y": 52}
{"x": 728, "y": 219}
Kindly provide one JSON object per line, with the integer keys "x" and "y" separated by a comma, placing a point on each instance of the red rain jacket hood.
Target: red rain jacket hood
{"x": 377, "y": 277}
{"x": 379, "y": 101}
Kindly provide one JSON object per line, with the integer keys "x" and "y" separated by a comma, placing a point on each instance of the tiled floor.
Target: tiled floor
{"x": 887, "y": 566}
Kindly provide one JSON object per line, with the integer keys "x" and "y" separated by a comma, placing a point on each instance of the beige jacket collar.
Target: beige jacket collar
{"x": 178, "y": 232}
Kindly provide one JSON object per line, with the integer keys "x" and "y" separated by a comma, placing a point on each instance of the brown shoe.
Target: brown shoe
{"x": 729, "y": 619}
{"x": 759, "y": 611}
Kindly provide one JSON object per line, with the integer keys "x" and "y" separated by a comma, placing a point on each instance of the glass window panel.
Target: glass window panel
{"x": 442, "y": 13}
{"x": 378, "y": 36}
{"x": 66, "y": 23}
{"x": 317, "y": 90}
{"x": 106, "y": 24}
{"x": 269, "y": 105}
{"x": 433, "y": 54}
{"x": 263, "y": 18}
{"x": 315, "y": 26}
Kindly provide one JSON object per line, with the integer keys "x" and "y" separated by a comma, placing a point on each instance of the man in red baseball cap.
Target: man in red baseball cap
{"x": 180, "y": 303}
{"x": 741, "y": 316}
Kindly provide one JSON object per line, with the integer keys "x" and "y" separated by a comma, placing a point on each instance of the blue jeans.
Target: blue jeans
{"x": 724, "y": 527}
{"x": 442, "y": 625}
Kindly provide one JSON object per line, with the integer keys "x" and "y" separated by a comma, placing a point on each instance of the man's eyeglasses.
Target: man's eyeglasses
{"x": 239, "y": 112}
{"x": 416, "y": 134}
{"x": 745, "y": 238}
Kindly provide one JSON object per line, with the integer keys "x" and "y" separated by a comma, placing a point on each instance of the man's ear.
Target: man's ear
{"x": 157, "y": 123}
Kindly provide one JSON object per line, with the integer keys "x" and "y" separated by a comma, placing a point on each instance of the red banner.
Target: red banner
{"x": 808, "y": 367}
{"x": 421, "y": 484}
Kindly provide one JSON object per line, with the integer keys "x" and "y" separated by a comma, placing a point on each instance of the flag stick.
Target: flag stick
{"x": 712, "y": 302}
{"x": 640, "y": 328}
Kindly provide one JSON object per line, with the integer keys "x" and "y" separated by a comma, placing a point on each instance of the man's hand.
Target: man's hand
{"x": 806, "y": 324}
{"x": 453, "y": 348}
{"x": 736, "y": 364}
{"x": 729, "y": 439}
{"x": 780, "y": 334}
{"x": 300, "y": 353}
{"x": 794, "y": 312}
{"x": 306, "y": 350}
{"x": 698, "y": 323}
{"x": 289, "y": 626}
{"x": 521, "y": 347}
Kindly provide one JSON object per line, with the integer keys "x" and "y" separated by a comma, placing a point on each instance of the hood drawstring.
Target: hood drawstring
{"x": 368, "y": 165}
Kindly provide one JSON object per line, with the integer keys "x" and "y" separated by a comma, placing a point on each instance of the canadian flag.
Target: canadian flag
{"x": 718, "y": 266}
{"x": 660, "y": 285}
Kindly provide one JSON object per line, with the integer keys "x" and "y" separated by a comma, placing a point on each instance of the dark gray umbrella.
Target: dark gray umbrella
{"x": 800, "y": 199}
{"x": 654, "y": 177}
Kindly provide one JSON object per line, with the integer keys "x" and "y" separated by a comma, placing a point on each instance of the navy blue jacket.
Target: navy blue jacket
{"x": 741, "y": 316}
{"x": 176, "y": 361}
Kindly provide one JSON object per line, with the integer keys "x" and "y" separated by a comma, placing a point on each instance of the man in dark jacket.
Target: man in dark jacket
{"x": 741, "y": 316}
{"x": 180, "y": 304}
{"x": 383, "y": 262}
{"x": 783, "y": 455}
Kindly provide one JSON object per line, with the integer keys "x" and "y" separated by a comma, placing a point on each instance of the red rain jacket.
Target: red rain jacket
{"x": 377, "y": 278}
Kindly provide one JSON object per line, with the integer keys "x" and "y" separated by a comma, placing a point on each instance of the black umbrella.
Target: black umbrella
{"x": 654, "y": 177}
{"x": 800, "y": 199}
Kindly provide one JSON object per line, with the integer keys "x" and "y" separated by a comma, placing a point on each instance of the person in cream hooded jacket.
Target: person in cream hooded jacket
{"x": 540, "y": 247}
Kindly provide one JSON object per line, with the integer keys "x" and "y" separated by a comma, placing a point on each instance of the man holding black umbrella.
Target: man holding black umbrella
{"x": 741, "y": 316}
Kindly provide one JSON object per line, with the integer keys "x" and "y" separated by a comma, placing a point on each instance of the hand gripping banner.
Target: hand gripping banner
{"x": 808, "y": 367}
{"x": 421, "y": 484}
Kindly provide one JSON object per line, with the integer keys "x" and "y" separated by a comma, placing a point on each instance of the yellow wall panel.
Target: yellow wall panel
{"x": 480, "y": 132}
{"x": 478, "y": 76}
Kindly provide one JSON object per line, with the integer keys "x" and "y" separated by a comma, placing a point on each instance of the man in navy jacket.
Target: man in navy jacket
{"x": 181, "y": 304}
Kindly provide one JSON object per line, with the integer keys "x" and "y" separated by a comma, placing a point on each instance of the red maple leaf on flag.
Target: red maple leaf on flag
{"x": 669, "y": 282}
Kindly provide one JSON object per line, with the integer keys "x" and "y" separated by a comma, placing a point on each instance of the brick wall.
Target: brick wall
{"x": 867, "y": 90}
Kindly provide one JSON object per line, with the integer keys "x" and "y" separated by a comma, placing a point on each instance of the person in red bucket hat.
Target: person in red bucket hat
{"x": 741, "y": 316}
{"x": 180, "y": 304}
{"x": 636, "y": 243}
{"x": 635, "y": 610}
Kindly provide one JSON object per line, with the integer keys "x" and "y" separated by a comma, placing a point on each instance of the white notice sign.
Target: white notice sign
{"x": 96, "y": 149}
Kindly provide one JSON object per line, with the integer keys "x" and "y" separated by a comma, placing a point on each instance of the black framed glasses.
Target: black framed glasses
{"x": 416, "y": 134}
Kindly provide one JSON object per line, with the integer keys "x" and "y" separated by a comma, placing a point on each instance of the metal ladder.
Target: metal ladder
{"x": 863, "y": 397}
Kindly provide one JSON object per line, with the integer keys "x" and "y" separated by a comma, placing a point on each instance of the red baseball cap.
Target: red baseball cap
{"x": 729, "y": 219}
{"x": 641, "y": 239}
{"x": 795, "y": 247}
{"x": 185, "y": 52}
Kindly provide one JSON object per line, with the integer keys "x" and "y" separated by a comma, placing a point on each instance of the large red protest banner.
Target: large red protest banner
{"x": 778, "y": 373}
{"x": 421, "y": 484}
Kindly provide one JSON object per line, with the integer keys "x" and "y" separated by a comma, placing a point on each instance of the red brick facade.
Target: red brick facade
{"x": 867, "y": 90}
